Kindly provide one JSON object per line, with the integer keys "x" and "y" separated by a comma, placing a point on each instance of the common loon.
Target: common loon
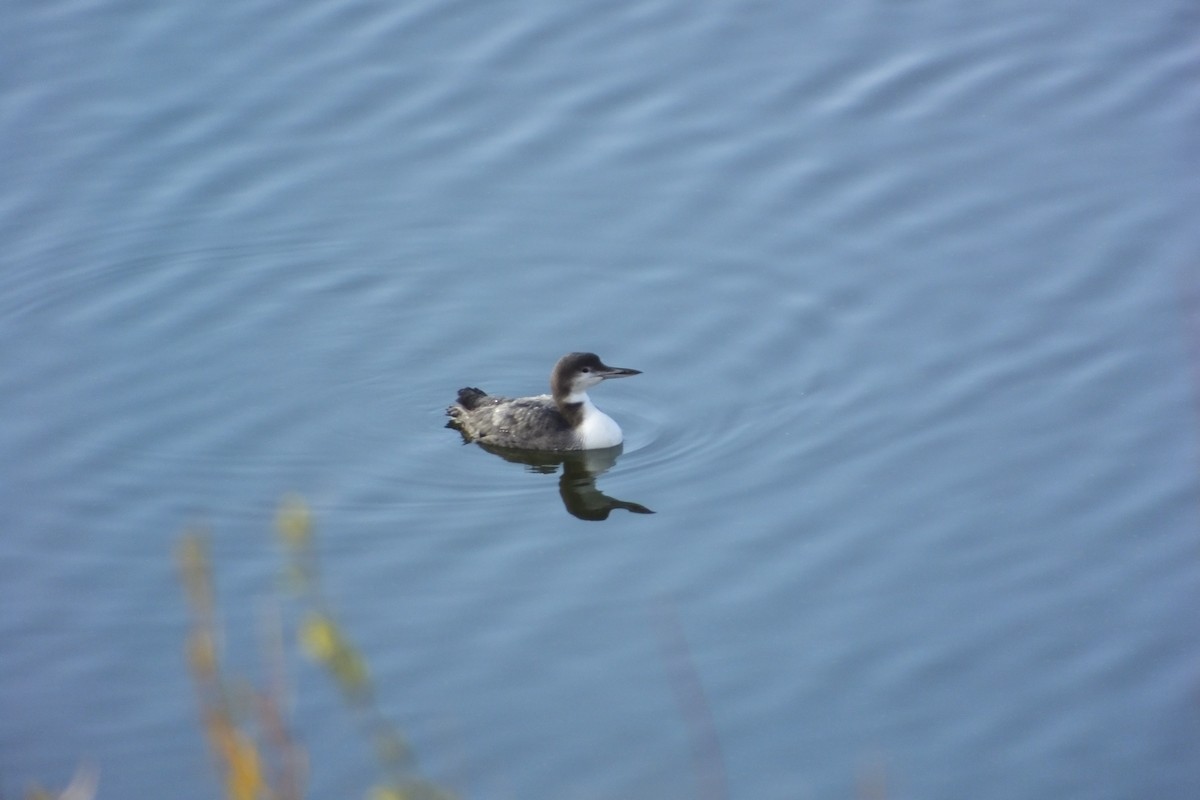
{"x": 562, "y": 420}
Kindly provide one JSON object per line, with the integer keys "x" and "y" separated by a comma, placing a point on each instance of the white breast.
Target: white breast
{"x": 598, "y": 429}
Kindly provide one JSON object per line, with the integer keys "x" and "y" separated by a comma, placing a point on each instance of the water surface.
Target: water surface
{"x": 912, "y": 287}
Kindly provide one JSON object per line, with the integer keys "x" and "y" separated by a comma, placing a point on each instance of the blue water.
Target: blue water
{"x": 913, "y": 288}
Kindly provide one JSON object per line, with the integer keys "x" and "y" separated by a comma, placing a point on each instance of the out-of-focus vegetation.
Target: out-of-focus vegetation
{"x": 253, "y": 748}
{"x": 254, "y": 751}
{"x": 81, "y": 787}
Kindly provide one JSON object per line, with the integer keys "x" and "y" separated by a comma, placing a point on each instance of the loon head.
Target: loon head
{"x": 575, "y": 373}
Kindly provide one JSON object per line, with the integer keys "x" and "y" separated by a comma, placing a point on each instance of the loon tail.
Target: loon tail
{"x": 469, "y": 397}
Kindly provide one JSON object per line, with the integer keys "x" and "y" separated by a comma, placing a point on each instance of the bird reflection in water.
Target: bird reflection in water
{"x": 577, "y": 483}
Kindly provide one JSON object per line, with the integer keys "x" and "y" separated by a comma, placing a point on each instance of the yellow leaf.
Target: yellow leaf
{"x": 294, "y": 521}
{"x": 319, "y": 637}
{"x": 385, "y": 793}
{"x": 244, "y": 780}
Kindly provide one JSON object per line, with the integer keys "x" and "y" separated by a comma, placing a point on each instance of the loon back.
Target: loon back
{"x": 530, "y": 423}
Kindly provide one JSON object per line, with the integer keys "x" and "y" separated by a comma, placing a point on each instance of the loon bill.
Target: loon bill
{"x": 565, "y": 419}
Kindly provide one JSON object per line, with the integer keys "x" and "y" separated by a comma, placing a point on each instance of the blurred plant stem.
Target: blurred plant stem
{"x": 257, "y": 758}
{"x": 82, "y": 786}
{"x": 254, "y": 760}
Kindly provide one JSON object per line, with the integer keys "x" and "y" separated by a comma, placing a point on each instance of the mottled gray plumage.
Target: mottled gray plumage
{"x": 563, "y": 420}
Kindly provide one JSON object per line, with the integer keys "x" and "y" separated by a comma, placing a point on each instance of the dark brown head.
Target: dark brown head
{"x": 575, "y": 373}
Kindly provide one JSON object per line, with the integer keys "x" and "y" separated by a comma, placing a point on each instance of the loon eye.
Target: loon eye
{"x": 587, "y": 369}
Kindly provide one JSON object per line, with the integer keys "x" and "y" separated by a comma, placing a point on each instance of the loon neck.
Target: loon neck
{"x": 575, "y": 407}
{"x": 594, "y": 428}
